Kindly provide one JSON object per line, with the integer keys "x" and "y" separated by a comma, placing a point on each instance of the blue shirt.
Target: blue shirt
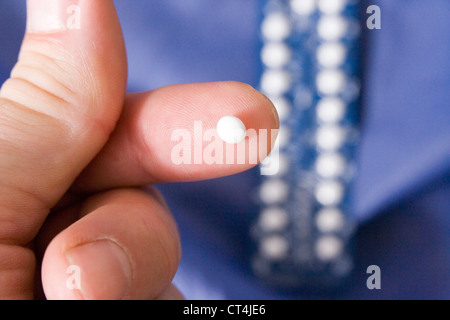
{"x": 401, "y": 195}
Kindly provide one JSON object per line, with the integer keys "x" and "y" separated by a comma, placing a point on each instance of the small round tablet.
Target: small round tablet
{"x": 231, "y": 129}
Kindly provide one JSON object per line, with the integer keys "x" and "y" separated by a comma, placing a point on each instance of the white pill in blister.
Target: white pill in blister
{"x": 276, "y": 27}
{"x": 274, "y": 247}
{"x": 329, "y": 248}
{"x": 231, "y": 129}
{"x": 303, "y": 7}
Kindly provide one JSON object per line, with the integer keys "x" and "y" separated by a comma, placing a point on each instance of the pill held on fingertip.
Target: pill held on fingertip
{"x": 231, "y": 129}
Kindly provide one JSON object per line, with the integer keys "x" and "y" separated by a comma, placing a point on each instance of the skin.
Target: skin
{"x": 78, "y": 156}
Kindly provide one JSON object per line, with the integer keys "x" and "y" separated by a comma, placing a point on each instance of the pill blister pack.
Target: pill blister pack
{"x": 310, "y": 69}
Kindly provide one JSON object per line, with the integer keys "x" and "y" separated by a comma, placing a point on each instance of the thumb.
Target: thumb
{"x": 57, "y": 110}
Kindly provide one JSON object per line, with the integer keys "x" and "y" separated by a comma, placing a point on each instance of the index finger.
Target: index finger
{"x": 170, "y": 134}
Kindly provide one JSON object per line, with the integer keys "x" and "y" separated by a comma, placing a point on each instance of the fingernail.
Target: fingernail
{"x": 105, "y": 269}
{"x": 47, "y": 16}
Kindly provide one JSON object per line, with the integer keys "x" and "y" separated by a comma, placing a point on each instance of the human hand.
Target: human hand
{"x": 74, "y": 150}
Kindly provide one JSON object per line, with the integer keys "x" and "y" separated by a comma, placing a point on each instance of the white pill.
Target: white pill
{"x": 273, "y": 219}
{"x": 332, "y": 6}
{"x": 231, "y": 129}
{"x": 329, "y": 193}
{"x": 303, "y": 7}
{"x": 274, "y": 191}
{"x": 329, "y": 220}
{"x": 274, "y": 247}
{"x": 329, "y": 248}
{"x": 330, "y": 137}
{"x": 331, "y": 54}
{"x": 332, "y": 27}
{"x": 330, "y": 110}
{"x": 276, "y": 54}
{"x": 275, "y": 82}
{"x": 330, "y": 165}
{"x": 276, "y": 27}
{"x": 330, "y": 81}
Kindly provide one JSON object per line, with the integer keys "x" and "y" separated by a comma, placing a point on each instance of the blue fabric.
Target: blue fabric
{"x": 401, "y": 194}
